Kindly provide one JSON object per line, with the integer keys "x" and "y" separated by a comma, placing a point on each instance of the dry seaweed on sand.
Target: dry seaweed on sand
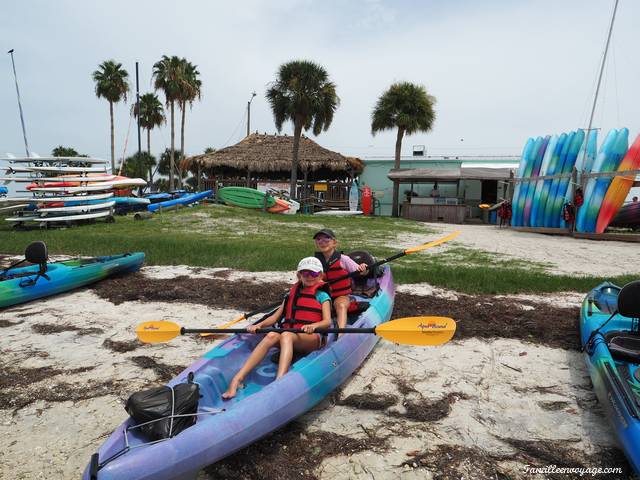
{"x": 53, "y": 328}
{"x": 121, "y": 346}
{"x": 163, "y": 371}
{"x": 212, "y": 292}
{"x": 291, "y": 452}
{"x": 486, "y": 316}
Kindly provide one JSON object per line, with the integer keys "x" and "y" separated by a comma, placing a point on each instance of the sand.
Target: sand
{"x": 499, "y": 389}
{"x": 562, "y": 255}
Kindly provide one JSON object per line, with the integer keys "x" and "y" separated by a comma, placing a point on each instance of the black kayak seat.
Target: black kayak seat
{"x": 629, "y": 300}
{"x": 624, "y": 346}
{"x": 36, "y": 253}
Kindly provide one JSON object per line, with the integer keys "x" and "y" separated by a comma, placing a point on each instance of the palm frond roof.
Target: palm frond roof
{"x": 273, "y": 153}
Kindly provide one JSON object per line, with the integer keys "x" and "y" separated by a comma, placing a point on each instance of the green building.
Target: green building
{"x": 469, "y": 192}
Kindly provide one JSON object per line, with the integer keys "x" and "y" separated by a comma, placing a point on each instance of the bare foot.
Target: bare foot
{"x": 233, "y": 386}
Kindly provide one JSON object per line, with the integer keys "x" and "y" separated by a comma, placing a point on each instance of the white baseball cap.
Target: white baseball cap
{"x": 310, "y": 263}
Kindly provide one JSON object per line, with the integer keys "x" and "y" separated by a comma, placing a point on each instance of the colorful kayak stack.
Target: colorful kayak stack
{"x": 545, "y": 171}
{"x": 66, "y": 189}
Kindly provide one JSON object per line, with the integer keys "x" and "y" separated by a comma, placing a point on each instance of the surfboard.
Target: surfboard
{"x": 62, "y": 218}
{"x": 354, "y": 194}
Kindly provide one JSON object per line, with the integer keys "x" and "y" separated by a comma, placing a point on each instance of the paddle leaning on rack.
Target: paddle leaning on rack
{"x": 419, "y": 248}
{"x": 409, "y": 330}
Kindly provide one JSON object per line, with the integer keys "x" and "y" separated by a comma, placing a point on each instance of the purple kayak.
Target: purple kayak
{"x": 262, "y": 406}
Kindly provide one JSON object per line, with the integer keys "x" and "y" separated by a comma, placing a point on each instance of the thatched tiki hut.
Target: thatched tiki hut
{"x": 267, "y": 158}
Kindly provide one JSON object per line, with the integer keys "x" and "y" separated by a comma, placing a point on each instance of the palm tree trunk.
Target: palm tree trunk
{"x": 173, "y": 149}
{"x": 297, "y": 132}
{"x": 149, "y": 152}
{"x": 396, "y": 186}
{"x": 113, "y": 146}
{"x": 184, "y": 113}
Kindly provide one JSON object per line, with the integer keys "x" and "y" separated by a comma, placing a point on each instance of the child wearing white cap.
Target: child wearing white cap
{"x": 308, "y": 307}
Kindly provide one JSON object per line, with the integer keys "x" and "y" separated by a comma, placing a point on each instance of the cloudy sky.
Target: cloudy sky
{"x": 501, "y": 70}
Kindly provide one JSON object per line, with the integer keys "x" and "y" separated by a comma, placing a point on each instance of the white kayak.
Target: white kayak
{"x": 92, "y": 178}
{"x": 91, "y": 187}
{"x": 56, "y": 169}
{"x": 63, "y": 218}
{"x": 10, "y": 208}
{"x": 55, "y": 160}
{"x": 75, "y": 208}
{"x": 72, "y": 198}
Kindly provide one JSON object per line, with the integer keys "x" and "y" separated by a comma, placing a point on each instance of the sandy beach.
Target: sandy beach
{"x": 510, "y": 390}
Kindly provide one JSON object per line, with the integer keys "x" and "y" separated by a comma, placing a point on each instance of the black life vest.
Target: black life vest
{"x": 334, "y": 269}
{"x": 302, "y": 307}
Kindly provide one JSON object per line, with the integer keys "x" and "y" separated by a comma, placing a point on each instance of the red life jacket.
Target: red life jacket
{"x": 333, "y": 269}
{"x": 302, "y": 307}
{"x": 578, "y": 197}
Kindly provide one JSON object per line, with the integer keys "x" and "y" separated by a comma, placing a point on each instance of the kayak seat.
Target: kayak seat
{"x": 36, "y": 253}
{"x": 212, "y": 384}
{"x": 629, "y": 300}
{"x": 624, "y": 346}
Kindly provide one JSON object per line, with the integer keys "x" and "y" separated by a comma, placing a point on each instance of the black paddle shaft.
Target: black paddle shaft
{"x": 184, "y": 331}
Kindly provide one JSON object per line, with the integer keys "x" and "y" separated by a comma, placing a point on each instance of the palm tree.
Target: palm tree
{"x": 408, "y": 107}
{"x": 151, "y": 116}
{"x": 189, "y": 91}
{"x": 169, "y": 74}
{"x": 303, "y": 94}
{"x": 111, "y": 83}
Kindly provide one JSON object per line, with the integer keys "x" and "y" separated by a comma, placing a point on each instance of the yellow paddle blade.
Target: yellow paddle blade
{"x": 434, "y": 243}
{"x": 157, "y": 331}
{"x": 484, "y": 205}
{"x": 226, "y": 325}
{"x": 418, "y": 330}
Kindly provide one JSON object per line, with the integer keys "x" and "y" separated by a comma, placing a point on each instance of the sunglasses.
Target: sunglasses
{"x": 323, "y": 239}
{"x": 309, "y": 273}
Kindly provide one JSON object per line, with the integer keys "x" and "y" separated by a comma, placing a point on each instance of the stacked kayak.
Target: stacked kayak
{"x": 19, "y": 285}
{"x": 619, "y": 188}
{"x": 262, "y": 406}
{"x": 611, "y": 341}
{"x": 182, "y": 200}
{"x": 541, "y": 202}
{"x": 76, "y": 188}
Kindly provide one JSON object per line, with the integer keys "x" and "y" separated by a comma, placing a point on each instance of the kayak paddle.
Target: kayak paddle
{"x": 407, "y": 331}
{"x": 408, "y": 251}
{"x": 244, "y": 316}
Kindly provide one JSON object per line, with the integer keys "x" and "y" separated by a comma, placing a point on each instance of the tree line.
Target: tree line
{"x": 302, "y": 94}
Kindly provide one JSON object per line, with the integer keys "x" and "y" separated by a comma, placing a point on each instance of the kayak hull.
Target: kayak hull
{"x": 184, "y": 200}
{"x": 63, "y": 276}
{"x": 613, "y": 379}
{"x": 245, "y": 197}
{"x": 263, "y": 406}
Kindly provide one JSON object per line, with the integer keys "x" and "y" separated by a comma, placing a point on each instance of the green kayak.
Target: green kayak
{"x": 244, "y": 197}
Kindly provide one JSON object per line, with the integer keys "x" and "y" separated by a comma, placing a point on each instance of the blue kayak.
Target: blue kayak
{"x": 184, "y": 200}
{"x": 3, "y": 190}
{"x": 611, "y": 341}
{"x": 20, "y": 285}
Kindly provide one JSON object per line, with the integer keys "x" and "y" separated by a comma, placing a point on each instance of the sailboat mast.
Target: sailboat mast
{"x": 604, "y": 61}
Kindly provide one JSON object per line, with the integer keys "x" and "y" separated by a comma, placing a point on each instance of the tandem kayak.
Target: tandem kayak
{"x": 20, "y": 285}
{"x": 262, "y": 406}
{"x": 611, "y": 342}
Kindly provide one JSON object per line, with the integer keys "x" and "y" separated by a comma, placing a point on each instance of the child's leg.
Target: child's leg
{"x": 261, "y": 350}
{"x": 341, "y": 304}
{"x": 300, "y": 342}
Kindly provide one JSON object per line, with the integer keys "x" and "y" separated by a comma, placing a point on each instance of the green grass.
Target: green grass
{"x": 220, "y": 236}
